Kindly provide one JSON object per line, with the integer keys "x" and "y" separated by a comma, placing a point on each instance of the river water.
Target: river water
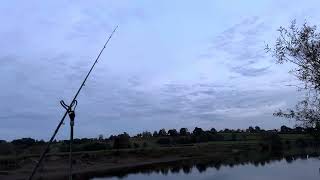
{"x": 293, "y": 169}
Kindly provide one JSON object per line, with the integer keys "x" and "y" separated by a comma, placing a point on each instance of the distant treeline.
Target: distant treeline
{"x": 172, "y": 137}
{"x": 198, "y": 131}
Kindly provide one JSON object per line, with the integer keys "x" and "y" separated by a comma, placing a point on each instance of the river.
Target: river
{"x": 289, "y": 168}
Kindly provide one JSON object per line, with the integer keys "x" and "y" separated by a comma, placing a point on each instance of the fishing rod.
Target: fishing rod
{"x": 70, "y": 112}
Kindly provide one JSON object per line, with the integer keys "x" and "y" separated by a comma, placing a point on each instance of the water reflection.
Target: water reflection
{"x": 202, "y": 165}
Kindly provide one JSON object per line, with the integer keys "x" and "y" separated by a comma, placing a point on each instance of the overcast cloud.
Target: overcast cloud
{"x": 171, "y": 64}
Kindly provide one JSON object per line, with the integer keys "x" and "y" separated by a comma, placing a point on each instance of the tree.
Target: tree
{"x": 112, "y": 137}
{"x": 100, "y": 138}
{"x": 301, "y": 47}
{"x": 162, "y": 132}
{"x": 173, "y": 132}
{"x": 146, "y": 134}
{"x": 197, "y": 131}
{"x": 298, "y": 129}
{"x": 24, "y": 142}
{"x": 213, "y": 130}
{"x": 183, "y": 132}
{"x": 155, "y": 134}
{"x": 285, "y": 129}
{"x": 122, "y": 141}
{"x": 250, "y": 129}
{"x": 257, "y": 129}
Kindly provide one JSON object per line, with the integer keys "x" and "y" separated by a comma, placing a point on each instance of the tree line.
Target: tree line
{"x": 173, "y": 133}
{"x": 161, "y": 137}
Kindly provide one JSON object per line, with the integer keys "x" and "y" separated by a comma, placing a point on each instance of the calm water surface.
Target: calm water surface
{"x": 300, "y": 169}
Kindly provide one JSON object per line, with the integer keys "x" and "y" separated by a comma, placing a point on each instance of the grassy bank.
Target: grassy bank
{"x": 232, "y": 149}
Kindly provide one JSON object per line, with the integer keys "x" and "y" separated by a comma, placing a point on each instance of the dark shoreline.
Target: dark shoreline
{"x": 122, "y": 162}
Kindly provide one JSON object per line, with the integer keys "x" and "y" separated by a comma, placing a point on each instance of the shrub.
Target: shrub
{"x": 24, "y": 142}
{"x": 122, "y": 141}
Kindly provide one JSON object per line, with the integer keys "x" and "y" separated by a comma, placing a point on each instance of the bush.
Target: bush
{"x": 24, "y": 142}
{"x": 122, "y": 141}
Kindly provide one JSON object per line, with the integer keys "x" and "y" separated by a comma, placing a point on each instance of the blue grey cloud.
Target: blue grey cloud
{"x": 247, "y": 71}
{"x": 150, "y": 76}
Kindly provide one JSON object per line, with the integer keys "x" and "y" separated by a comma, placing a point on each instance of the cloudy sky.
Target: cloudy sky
{"x": 171, "y": 64}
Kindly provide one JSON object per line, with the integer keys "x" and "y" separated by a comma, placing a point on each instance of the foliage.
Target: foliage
{"x": 162, "y": 132}
{"x": 269, "y": 139}
{"x": 301, "y": 47}
{"x": 146, "y": 134}
{"x": 24, "y": 142}
{"x": 197, "y": 131}
{"x": 155, "y": 134}
{"x": 122, "y": 141}
{"x": 213, "y": 130}
{"x": 183, "y": 132}
{"x": 173, "y": 132}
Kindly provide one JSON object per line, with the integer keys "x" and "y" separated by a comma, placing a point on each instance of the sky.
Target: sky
{"x": 171, "y": 64}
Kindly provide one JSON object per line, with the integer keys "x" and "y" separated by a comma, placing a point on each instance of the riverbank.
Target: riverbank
{"x": 124, "y": 161}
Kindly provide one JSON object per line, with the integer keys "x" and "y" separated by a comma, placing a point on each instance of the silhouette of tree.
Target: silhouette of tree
{"x": 24, "y": 142}
{"x": 100, "y": 138}
{"x": 173, "y": 132}
{"x": 155, "y": 134}
{"x": 197, "y": 131}
{"x": 213, "y": 130}
{"x": 122, "y": 141}
{"x": 186, "y": 169}
{"x": 298, "y": 129}
{"x": 301, "y": 47}
{"x": 162, "y": 132}
{"x": 285, "y": 129}
{"x": 183, "y": 132}
{"x": 250, "y": 130}
{"x": 146, "y": 134}
{"x": 112, "y": 137}
{"x": 257, "y": 129}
